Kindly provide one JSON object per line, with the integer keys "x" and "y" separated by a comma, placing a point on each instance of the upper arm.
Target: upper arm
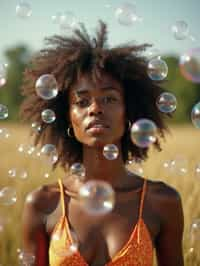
{"x": 169, "y": 241}
{"x": 35, "y": 239}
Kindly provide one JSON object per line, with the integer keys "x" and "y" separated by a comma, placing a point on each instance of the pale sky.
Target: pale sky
{"x": 158, "y": 16}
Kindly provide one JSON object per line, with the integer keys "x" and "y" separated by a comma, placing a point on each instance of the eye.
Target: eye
{"x": 83, "y": 103}
{"x": 109, "y": 99}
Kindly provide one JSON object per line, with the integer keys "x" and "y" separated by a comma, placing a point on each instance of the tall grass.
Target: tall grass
{"x": 183, "y": 143}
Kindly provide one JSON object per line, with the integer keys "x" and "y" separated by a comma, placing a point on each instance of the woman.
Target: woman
{"x": 102, "y": 91}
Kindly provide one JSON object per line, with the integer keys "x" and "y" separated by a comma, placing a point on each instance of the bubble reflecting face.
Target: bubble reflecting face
{"x": 3, "y": 112}
{"x": 190, "y": 65}
{"x": 157, "y": 69}
{"x": 166, "y": 102}
{"x": 23, "y": 10}
{"x": 49, "y": 152}
{"x": 46, "y": 87}
{"x": 195, "y": 115}
{"x": 110, "y": 151}
{"x": 180, "y": 30}
{"x": 97, "y": 197}
{"x": 8, "y": 196}
{"x": 26, "y": 258}
{"x": 78, "y": 169}
{"x": 143, "y": 133}
{"x": 126, "y": 14}
{"x": 48, "y": 116}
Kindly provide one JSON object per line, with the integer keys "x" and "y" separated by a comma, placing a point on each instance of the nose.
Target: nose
{"x": 95, "y": 108}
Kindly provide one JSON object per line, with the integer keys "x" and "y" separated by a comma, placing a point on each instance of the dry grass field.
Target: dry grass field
{"x": 182, "y": 148}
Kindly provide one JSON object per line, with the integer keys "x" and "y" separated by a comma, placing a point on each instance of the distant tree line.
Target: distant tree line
{"x": 186, "y": 92}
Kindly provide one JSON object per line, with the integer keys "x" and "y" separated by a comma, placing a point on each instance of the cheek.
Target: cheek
{"x": 76, "y": 118}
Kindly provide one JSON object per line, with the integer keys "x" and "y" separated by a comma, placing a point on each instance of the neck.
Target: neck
{"x": 98, "y": 167}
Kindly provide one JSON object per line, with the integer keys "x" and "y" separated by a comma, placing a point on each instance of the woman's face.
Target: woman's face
{"x": 97, "y": 110}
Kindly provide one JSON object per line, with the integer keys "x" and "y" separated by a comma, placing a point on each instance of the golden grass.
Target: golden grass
{"x": 184, "y": 142}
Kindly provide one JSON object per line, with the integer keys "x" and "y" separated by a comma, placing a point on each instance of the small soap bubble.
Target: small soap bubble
{"x": 143, "y": 133}
{"x": 180, "y": 30}
{"x": 56, "y": 18}
{"x": 189, "y": 64}
{"x": 23, "y": 174}
{"x": 36, "y": 127}
{"x": 126, "y": 14}
{"x": 48, "y": 116}
{"x": 166, "y": 102}
{"x": 157, "y": 69}
{"x": 110, "y": 151}
{"x": 78, "y": 169}
{"x": 178, "y": 165}
{"x": 68, "y": 20}
{"x": 97, "y": 197}
{"x": 49, "y": 153}
{"x": 46, "y": 87}
{"x": 197, "y": 170}
{"x": 3, "y": 112}
{"x": 12, "y": 172}
{"x": 8, "y": 196}
{"x": 195, "y": 233}
{"x": 4, "y": 133}
{"x": 26, "y": 258}
{"x": 23, "y": 10}
{"x": 195, "y": 115}
{"x": 2, "y": 74}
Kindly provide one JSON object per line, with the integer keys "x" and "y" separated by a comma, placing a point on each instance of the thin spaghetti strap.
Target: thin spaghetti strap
{"x": 142, "y": 198}
{"x": 62, "y": 196}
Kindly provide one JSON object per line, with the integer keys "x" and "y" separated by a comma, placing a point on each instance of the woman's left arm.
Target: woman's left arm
{"x": 169, "y": 242}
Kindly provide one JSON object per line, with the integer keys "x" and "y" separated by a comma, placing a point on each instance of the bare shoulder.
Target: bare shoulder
{"x": 43, "y": 199}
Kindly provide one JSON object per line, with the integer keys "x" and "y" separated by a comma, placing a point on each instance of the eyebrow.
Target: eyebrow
{"x": 106, "y": 88}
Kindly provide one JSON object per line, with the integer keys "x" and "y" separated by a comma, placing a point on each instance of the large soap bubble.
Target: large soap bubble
{"x": 157, "y": 69}
{"x": 190, "y": 65}
{"x": 97, "y": 197}
{"x": 166, "y": 102}
{"x": 46, "y": 87}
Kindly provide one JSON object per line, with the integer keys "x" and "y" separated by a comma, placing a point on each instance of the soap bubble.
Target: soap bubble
{"x": 97, "y": 197}
{"x": 195, "y": 115}
{"x": 143, "y": 133}
{"x": 195, "y": 234}
{"x": 178, "y": 165}
{"x": 23, "y": 10}
{"x": 46, "y": 87}
{"x": 3, "y": 112}
{"x": 48, "y": 116}
{"x": 126, "y": 14}
{"x": 56, "y": 18}
{"x": 49, "y": 153}
{"x": 180, "y": 30}
{"x": 78, "y": 169}
{"x": 2, "y": 74}
{"x": 4, "y": 133}
{"x": 110, "y": 151}
{"x": 157, "y": 69}
{"x": 190, "y": 65}
{"x": 26, "y": 258}
{"x": 8, "y": 196}
{"x": 166, "y": 102}
{"x": 67, "y": 21}
{"x": 12, "y": 172}
{"x": 197, "y": 170}
{"x": 36, "y": 127}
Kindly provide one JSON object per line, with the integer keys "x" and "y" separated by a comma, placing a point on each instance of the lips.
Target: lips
{"x": 97, "y": 124}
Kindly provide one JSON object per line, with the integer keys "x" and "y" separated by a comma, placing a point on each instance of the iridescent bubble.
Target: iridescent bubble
{"x": 48, "y": 116}
{"x": 8, "y": 196}
{"x": 23, "y": 10}
{"x": 126, "y": 14}
{"x": 26, "y": 258}
{"x": 49, "y": 152}
{"x": 157, "y": 69}
{"x": 46, "y": 87}
{"x": 4, "y": 133}
{"x": 68, "y": 20}
{"x": 143, "y": 133}
{"x": 3, "y": 112}
{"x": 36, "y": 127}
{"x": 195, "y": 115}
{"x": 166, "y": 102}
{"x": 12, "y": 172}
{"x": 110, "y": 151}
{"x": 97, "y": 197}
{"x": 2, "y": 74}
{"x": 180, "y": 30}
{"x": 78, "y": 169}
{"x": 190, "y": 65}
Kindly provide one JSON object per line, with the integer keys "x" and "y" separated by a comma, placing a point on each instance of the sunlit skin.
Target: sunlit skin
{"x": 102, "y": 103}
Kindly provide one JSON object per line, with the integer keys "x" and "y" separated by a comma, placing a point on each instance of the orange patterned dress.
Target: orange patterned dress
{"x": 138, "y": 251}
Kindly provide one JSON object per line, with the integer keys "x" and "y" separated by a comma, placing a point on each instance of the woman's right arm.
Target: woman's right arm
{"x": 35, "y": 238}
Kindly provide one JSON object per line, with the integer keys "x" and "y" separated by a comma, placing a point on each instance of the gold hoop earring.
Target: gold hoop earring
{"x": 69, "y": 134}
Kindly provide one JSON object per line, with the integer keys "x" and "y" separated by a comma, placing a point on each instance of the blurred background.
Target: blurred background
{"x": 172, "y": 27}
